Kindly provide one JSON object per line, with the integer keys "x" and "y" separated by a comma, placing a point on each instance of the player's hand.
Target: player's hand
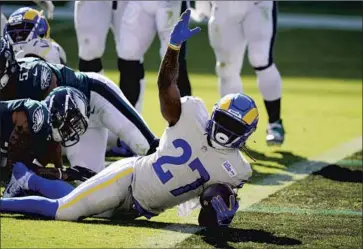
{"x": 79, "y": 173}
{"x": 181, "y": 30}
{"x": 48, "y": 6}
{"x": 225, "y": 214}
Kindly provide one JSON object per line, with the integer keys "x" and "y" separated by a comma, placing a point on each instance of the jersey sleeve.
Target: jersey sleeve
{"x": 193, "y": 111}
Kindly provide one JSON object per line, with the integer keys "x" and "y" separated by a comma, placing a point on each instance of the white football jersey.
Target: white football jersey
{"x": 48, "y": 50}
{"x": 185, "y": 163}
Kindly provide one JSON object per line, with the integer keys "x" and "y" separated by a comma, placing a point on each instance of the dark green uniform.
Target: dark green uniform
{"x": 38, "y": 118}
{"x": 35, "y": 78}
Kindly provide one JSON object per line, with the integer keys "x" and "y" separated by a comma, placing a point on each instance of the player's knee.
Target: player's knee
{"x": 91, "y": 47}
{"x": 227, "y": 69}
{"x": 260, "y": 61}
{"x": 94, "y": 65}
{"x": 130, "y": 49}
{"x": 132, "y": 73}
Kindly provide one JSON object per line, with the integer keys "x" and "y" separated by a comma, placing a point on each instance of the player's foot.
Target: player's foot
{"x": 18, "y": 182}
{"x": 121, "y": 150}
{"x": 275, "y": 133}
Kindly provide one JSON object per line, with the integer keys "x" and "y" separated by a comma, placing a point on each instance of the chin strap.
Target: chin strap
{"x": 248, "y": 153}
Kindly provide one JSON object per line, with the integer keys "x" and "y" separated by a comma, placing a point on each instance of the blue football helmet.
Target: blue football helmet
{"x": 24, "y": 25}
{"x": 8, "y": 64}
{"x": 69, "y": 112}
{"x": 233, "y": 120}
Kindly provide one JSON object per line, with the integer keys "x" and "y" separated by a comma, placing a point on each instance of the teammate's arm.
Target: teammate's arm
{"x": 19, "y": 139}
{"x": 169, "y": 95}
{"x": 52, "y": 155}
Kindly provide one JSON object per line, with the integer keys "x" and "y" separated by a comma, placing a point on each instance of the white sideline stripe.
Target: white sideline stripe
{"x": 285, "y": 20}
{"x": 254, "y": 193}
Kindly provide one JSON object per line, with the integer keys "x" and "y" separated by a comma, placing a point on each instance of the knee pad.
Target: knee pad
{"x": 260, "y": 60}
{"x": 131, "y": 73}
{"x": 90, "y": 66}
{"x": 270, "y": 83}
{"x": 90, "y": 47}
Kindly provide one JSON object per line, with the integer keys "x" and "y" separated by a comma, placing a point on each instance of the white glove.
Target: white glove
{"x": 48, "y": 6}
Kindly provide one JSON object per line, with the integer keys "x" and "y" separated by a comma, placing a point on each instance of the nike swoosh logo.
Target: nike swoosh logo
{"x": 36, "y": 72}
{"x": 93, "y": 110}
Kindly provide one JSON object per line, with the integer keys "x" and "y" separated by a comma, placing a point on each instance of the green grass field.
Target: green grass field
{"x": 321, "y": 109}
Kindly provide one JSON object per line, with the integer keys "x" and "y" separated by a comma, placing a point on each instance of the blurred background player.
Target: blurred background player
{"x": 92, "y": 20}
{"x": 29, "y": 31}
{"x": 141, "y": 21}
{"x": 233, "y": 26}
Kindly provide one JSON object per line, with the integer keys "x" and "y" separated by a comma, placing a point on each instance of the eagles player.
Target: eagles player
{"x": 195, "y": 152}
{"x": 41, "y": 46}
{"x": 29, "y": 33}
{"x": 234, "y": 26}
{"x": 34, "y": 78}
{"x": 141, "y": 21}
{"x": 27, "y": 133}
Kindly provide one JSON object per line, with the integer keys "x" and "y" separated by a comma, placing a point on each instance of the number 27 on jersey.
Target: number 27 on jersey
{"x": 195, "y": 164}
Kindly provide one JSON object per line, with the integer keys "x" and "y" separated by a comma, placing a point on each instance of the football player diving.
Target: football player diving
{"x": 195, "y": 152}
{"x": 109, "y": 110}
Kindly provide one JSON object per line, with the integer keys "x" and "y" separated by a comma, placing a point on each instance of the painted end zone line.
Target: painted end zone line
{"x": 254, "y": 193}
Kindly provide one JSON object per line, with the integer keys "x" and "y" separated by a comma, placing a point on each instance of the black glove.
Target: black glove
{"x": 153, "y": 146}
{"x": 78, "y": 173}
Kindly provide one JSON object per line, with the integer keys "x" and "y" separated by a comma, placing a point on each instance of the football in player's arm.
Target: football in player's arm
{"x": 143, "y": 186}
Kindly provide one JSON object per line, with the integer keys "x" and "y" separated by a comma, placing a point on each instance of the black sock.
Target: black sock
{"x": 131, "y": 72}
{"x": 183, "y": 78}
{"x": 273, "y": 110}
{"x": 90, "y": 66}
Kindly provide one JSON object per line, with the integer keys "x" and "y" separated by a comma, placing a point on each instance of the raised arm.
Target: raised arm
{"x": 169, "y": 95}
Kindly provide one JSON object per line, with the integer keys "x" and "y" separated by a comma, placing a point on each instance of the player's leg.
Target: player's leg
{"x": 183, "y": 77}
{"x": 105, "y": 191}
{"x": 226, "y": 39}
{"x": 88, "y": 153}
{"x": 260, "y": 30}
{"x": 166, "y": 16}
{"x": 92, "y": 21}
{"x": 25, "y": 179}
{"x": 119, "y": 117}
{"x": 138, "y": 26}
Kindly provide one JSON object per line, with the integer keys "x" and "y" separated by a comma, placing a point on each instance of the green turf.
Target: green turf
{"x": 331, "y": 201}
{"x": 322, "y": 97}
